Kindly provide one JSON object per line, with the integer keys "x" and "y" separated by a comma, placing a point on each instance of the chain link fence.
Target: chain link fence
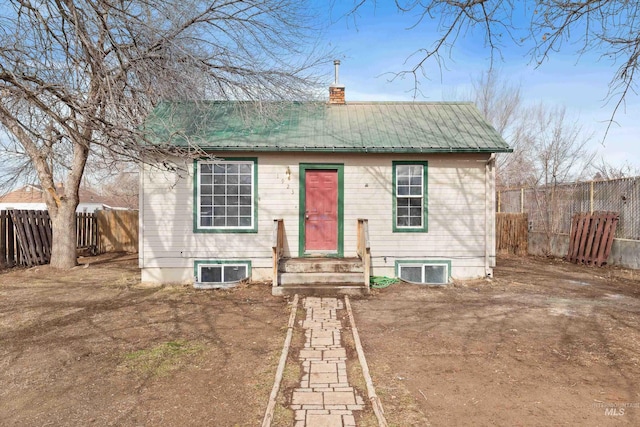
{"x": 551, "y": 208}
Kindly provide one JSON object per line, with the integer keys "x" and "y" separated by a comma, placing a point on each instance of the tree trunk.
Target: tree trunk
{"x": 63, "y": 245}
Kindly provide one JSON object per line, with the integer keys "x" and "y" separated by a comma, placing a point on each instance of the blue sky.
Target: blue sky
{"x": 379, "y": 42}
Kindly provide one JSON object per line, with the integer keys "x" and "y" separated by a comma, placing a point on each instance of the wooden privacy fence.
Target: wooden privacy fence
{"x": 25, "y": 235}
{"x": 591, "y": 237}
{"x": 512, "y": 233}
{"x": 117, "y": 231}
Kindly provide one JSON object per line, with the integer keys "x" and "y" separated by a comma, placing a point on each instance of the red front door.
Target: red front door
{"x": 321, "y": 210}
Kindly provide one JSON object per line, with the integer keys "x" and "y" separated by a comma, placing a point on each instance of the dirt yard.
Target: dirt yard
{"x": 93, "y": 347}
{"x": 544, "y": 343}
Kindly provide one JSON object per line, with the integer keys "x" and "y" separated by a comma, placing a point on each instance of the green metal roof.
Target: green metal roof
{"x": 379, "y": 127}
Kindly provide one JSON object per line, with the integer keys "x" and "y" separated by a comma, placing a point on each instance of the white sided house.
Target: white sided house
{"x": 321, "y": 195}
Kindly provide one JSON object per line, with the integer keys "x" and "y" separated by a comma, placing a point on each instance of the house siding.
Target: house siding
{"x": 456, "y": 216}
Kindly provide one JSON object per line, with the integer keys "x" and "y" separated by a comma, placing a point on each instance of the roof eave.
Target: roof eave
{"x": 369, "y": 150}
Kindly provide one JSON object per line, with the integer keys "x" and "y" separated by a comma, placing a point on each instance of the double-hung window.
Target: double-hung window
{"x": 225, "y": 194}
{"x": 409, "y": 196}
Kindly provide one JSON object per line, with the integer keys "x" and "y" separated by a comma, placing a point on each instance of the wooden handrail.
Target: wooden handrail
{"x": 277, "y": 246}
{"x": 364, "y": 249}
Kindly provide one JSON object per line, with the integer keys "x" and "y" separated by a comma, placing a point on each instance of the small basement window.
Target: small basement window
{"x": 211, "y": 273}
{"x": 428, "y": 272}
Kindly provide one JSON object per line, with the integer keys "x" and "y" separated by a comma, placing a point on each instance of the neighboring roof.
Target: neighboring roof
{"x": 34, "y": 194}
{"x": 381, "y": 127}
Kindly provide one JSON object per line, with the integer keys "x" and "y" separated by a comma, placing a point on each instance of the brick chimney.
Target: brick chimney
{"x": 336, "y": 90}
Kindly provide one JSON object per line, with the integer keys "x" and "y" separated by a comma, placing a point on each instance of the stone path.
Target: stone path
{"x": 324, "y": 398}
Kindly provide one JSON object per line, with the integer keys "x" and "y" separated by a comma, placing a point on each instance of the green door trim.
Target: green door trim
{"x": 303, "y": 168}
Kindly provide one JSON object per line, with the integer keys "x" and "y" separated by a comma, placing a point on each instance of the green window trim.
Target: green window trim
{"x": 303, "y": 168}
{"x": 197, "y": 268}
{"x": 197, "y": 228}
{"x": 423, "y": 228}
{"x": 422, "y": 263}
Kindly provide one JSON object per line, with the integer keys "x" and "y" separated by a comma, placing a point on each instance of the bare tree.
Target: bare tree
{"x": 122, "y": 189}
{"x": 608, "y": 28}
{"x": 500, "y": 102}
{"x": 606, "y": 171}
{"x": 560, "y": 155}
{"x": 79, "y": 76}
{"x": 560, "y": 147}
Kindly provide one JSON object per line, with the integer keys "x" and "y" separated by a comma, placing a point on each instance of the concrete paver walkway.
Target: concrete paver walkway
{"x": 324, "y": 398}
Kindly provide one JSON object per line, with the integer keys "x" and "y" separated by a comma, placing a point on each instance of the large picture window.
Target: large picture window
{"x": 410, "y": 196}
{"x": 225, "y": 195}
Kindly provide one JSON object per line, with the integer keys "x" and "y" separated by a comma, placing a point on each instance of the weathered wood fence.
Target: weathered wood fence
{"x": 591, "y": 237}
{"x": 512, "y": 233}
{"x": 26, "y": 235}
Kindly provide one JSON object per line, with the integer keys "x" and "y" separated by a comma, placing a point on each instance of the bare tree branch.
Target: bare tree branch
{"x": 78, "y": 77}
{"x": 608, "y": 28}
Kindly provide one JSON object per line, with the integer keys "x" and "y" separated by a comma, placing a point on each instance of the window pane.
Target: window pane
{"x": 403, "y": 202}
{"x": 245, "y": 189}
{"x": 415, "y": 202}
{"x": 245, "y": 168}
{"x": 211, "y": 274}
{"x": 415, "y": 212}
{"x": 219, "y": 222}
{"x": 415, "y": 191}
{"x": 416, "y": 170}
{"x": 245, "y": 211}
{"x": 205, "y": 221}
{"x": 219, "y": 211}
{"x": 232, "y": 211}
{"x": 232, "y": 221}
{"x": 233, "y": 200}
{"x": 415, "y": 222}
{"x": 232, "y": 189}
{"x": 403, "y": 211}
{"x": 245, "y": 221}
{"x": 233, "y": 273}
{"x": 245, "y": 179}
{"x": 232, "y": 168}
{"x": 435, "y": 274}
{"x": 245, "y": 200}
{"x": 232, "y": 179}
{"x": 218, "y": 200}
{"x": 219, "y": 179}
{"x": 411, "y": 274}
{"x": 206, "y": 189}
{"x": 205, "y": 168}
{"x": 403, "y": 222}
{"x": 206, "y": 179}
{"x": 403, "y": 170}
{"x": 206, "y": 201}
{"x": 219, "y": 168}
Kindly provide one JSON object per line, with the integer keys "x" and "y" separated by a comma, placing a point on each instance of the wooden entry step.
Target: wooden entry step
{"x": 320, "y": 276}
{"x": 320, "y": 265}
